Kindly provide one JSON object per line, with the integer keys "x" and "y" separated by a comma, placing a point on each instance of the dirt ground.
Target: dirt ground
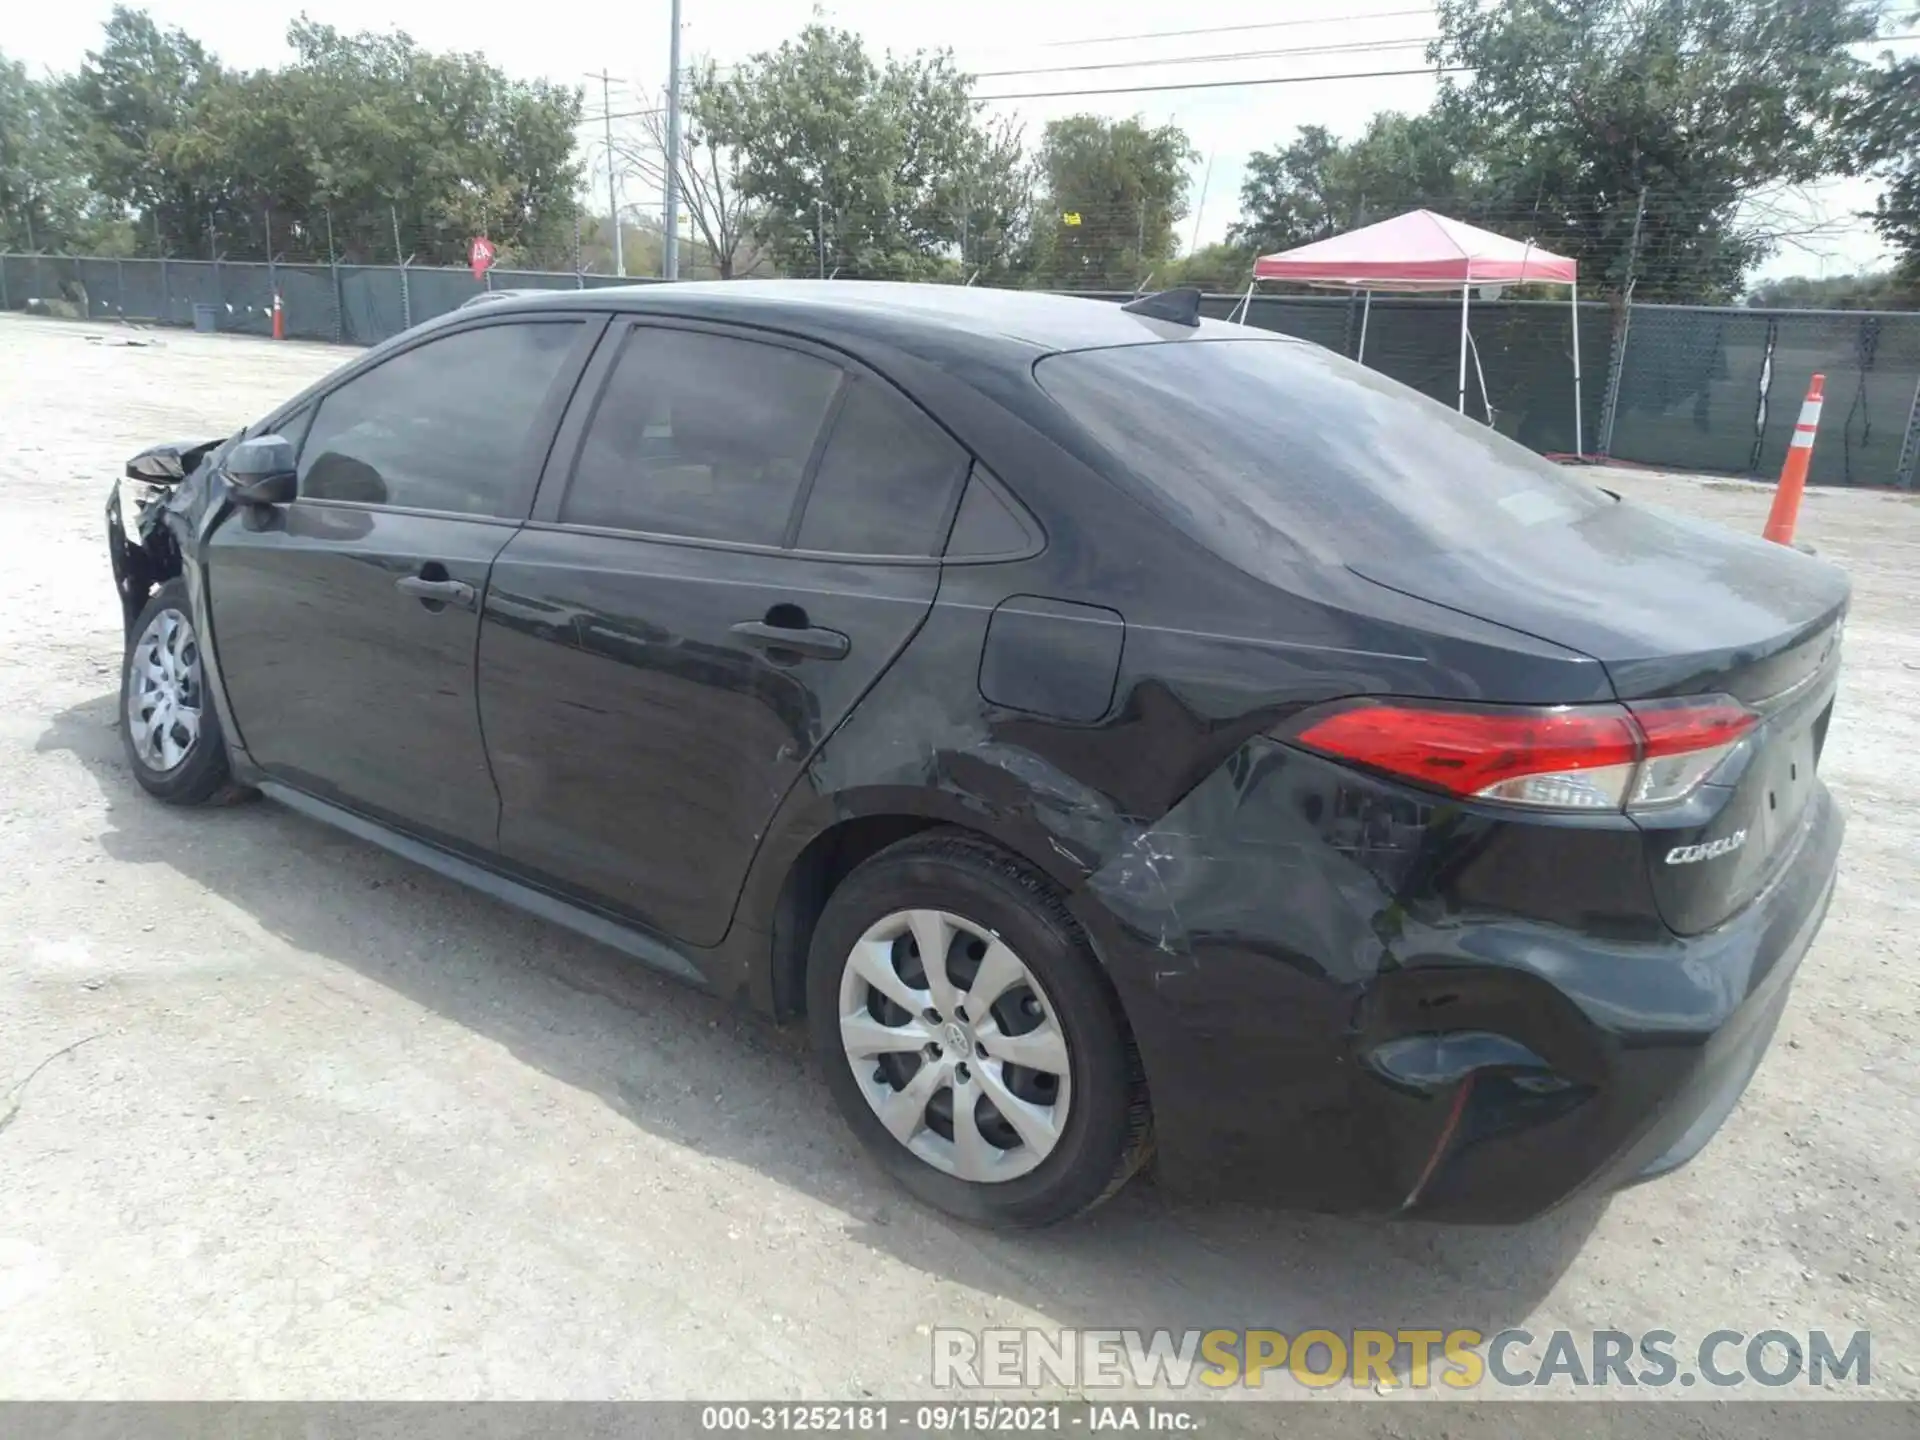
{"x": 311, "y": 1122}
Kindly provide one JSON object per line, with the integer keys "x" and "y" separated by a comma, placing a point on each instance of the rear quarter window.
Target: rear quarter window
{"x": 1273, "y": 450}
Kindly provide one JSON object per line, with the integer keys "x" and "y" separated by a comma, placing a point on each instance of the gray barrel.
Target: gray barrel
{"x": 206, "y": 318}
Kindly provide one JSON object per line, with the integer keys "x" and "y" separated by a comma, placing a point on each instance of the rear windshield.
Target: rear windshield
{"x": 1272, "y": 450}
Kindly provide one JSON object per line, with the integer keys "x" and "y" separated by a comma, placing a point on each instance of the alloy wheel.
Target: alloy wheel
{"x": 955, "y": 1045}
{"x": 165, "y": 693}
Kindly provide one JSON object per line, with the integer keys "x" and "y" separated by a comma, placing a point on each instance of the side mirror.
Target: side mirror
{"x": 262, "y": 471}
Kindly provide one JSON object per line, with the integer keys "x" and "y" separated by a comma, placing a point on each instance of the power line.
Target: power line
{"x": 597, "y": 119}
{"x": 1344, "y": 47}
{"x": 1266, "y": 80}
{"x": 1616, "y": 31}
{"x": 1232, "y": 29}
{"x": 1227, "y": 84}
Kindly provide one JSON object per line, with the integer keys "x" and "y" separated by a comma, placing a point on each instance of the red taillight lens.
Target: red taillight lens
{"x": 1566, "y": 757}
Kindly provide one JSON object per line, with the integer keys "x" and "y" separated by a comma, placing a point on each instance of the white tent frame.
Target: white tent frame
{"x": 1466, "y": 301}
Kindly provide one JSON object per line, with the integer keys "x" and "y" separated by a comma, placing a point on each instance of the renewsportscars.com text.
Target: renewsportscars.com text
{"x": 1457, "y": 1360}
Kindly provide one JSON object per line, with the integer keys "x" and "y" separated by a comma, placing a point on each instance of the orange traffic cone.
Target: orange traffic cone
{"x": 1793, "y": 474}
{"x": 279, "y": 320}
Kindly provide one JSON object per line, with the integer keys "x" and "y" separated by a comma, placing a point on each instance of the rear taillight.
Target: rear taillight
{"x": 1564, "y": 757}
{"x": 1685, "y": 740}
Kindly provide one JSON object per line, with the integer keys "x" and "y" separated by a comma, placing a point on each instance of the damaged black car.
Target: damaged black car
{"x": 1126, "y": 739}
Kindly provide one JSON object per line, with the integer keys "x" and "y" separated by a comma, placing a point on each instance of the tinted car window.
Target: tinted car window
{"x": 293, "y": 429}
{"x": 1264, "y": 448}
{"x": 885, "y": 484}
{"x": 701, "y": 435}
{"x": 986, "y": 526}
{"x": 443, "y": 426}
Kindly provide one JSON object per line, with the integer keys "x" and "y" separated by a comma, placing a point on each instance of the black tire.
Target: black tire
{"x": 1108, "y": 1134}
{"x": 202, "y": 776}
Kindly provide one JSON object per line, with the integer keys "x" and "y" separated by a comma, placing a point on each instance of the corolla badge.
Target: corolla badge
{"x": 1710, "y": 850}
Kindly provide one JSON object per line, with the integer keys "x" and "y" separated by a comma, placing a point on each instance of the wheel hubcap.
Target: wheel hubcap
{"x": 164, "y": 697}
{"x": 955, "y": 1045}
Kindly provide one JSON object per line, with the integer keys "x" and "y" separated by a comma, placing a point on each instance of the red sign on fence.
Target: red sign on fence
{"x": 481, "y": 256}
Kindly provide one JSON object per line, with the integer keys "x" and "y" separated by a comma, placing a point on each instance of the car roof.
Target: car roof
{"x": 894, "y": 312}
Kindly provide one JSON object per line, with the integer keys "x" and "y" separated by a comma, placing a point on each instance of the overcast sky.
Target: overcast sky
{"x": 563, "y": 39}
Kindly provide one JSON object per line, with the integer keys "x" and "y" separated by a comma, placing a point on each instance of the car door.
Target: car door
{"x": 346, "y": 621}
{"x": 736, "y": 535}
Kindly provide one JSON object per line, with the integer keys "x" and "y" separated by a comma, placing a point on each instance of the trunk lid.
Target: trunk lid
{"x": 1668, "y": 604}
{"x": 1672, "y": 606}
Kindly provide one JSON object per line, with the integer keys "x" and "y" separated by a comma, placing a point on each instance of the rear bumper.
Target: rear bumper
{"x": 1471, "y": 1070}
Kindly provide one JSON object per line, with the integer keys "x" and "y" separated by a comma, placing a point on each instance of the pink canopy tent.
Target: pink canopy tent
{"x": 1422, "y": 251}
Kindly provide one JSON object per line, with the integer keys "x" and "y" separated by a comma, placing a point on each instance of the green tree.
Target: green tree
{"x": 1113, "y": 192}
{"x": 133, "y": 102}
{"x": 446, "y": 144}
{"x": 1887, "y": 123}
{"x": 1877, "y": 290}
{"x": 1222, "y": 268}
{"x": 996, "y": 185}
{"x": 1317, "y": 186}
{"x": 853, "y": 166}
{"x": 42, "y": 197}
{"x": 1584, "y": 110}
{"x": 362, "y": 130}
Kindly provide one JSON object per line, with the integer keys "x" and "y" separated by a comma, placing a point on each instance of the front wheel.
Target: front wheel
{"x": 968, "y": 1036}
{"x": 171, "y": 733}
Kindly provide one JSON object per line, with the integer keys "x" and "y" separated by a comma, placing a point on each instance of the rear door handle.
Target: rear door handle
{"x": 811, "y": 641}
{"x": 430, "y": 592}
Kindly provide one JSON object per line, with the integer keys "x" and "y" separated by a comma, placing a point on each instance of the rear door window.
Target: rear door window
{"x": 701, "y": 435}
{"x": 886, "y": 482}
{"x": 1266, "y": 448}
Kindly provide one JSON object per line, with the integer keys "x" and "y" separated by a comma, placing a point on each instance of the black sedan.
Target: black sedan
{"x": 1122, "y": 736}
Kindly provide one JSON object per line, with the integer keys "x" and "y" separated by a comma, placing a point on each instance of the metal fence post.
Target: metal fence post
{"x": 1764, "y": 396}
{"x": 1616, "y": 369}
{"x": 5, "y": 303}
{"x": 219, "y": 289}
{"x": 120, "y": 284}
{"x": 273, "y": 280}
{"x": 406, "y": 287}
{"x": 1903, "y": 473}
{"x": 339, "y": 290}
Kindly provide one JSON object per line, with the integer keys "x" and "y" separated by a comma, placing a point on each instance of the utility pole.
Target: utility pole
{"x": 672, "y": 266}
{"x": 613, "y": 199}
{"x": 1200, "y": 209}
{"x": 820, "y": 232}
{"x": 1617, "y": 361}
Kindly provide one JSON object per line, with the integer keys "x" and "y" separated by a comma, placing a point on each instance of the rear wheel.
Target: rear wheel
{"x": 969, "y": 1039}
{"x": 171, "y": 733}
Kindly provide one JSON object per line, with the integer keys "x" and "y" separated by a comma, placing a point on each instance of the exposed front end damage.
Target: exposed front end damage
{"x": 142, "y": 548}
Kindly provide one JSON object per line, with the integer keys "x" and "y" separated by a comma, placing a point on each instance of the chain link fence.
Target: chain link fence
{"x": 1675, "y": 386}
{"x": 345, "y": 304}
{"x": 1718, "y": 389}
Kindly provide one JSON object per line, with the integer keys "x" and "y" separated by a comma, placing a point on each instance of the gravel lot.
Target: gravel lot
{"x": 315, "y": 1123}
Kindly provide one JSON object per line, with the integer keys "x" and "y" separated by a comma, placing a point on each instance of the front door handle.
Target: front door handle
{"x": 812, "y": 641}
{"x": 435, "y": 593}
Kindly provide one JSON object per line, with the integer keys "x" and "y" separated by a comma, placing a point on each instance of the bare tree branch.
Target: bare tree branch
{"x": 707, "y": 172}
